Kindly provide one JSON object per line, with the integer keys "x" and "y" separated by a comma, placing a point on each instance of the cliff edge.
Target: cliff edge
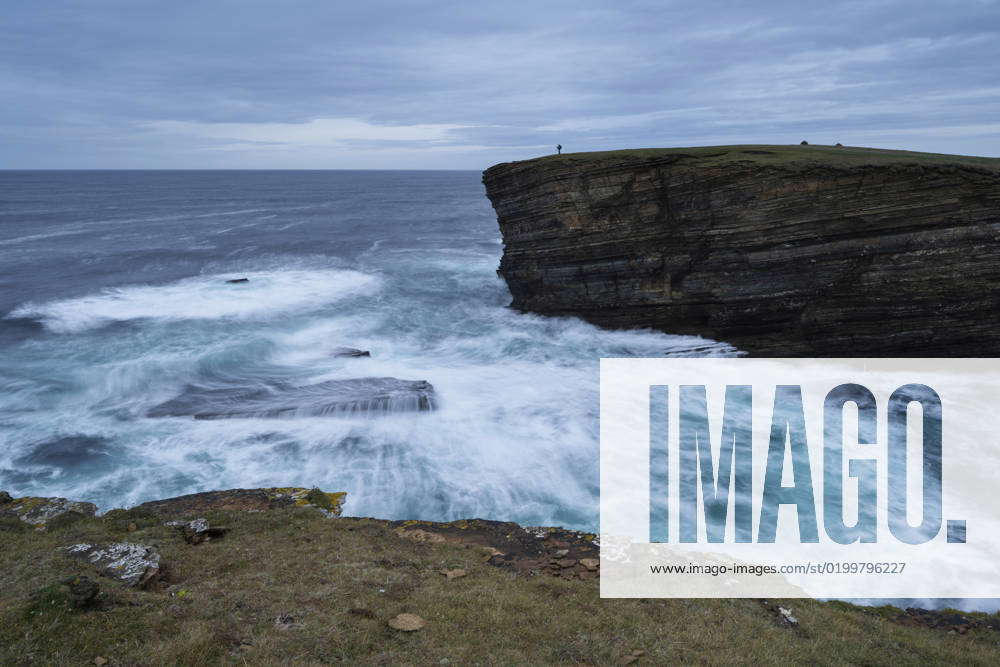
{"x": 275, "y": 576}
{"x": 780, "y": 250}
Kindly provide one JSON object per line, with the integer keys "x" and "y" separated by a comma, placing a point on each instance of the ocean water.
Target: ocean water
{"x": 113, "y": 300}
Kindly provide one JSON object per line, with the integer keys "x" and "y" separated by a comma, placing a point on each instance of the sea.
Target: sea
{"x": 114, "y": 299}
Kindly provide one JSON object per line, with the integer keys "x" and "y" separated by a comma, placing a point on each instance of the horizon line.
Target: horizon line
{"x": 2, "y": 169}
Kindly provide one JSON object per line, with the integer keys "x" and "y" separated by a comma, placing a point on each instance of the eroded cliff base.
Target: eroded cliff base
{"x": 780, "y": 250}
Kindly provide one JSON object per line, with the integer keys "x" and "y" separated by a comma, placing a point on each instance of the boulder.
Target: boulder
{"x": 357, "y": 396}
{"x": 198, "y": 530}
{"x": 135, "y": 565}
{"x": 41, "y": 511}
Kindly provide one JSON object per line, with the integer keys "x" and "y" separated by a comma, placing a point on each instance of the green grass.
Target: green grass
{"x": 780, "y": 155}
{"x": 337, "y": 582}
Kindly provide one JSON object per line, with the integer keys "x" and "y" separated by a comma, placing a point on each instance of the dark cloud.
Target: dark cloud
{"x": 313, "y": 83}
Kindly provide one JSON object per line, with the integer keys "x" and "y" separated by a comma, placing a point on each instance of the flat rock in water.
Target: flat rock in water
{"x": 332, "y": 398}
{"x": 238, "y": 280}
{"x": 350, "y": 352}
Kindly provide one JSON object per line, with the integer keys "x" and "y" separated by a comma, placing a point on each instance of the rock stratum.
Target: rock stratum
{"x": 779, "y": 250}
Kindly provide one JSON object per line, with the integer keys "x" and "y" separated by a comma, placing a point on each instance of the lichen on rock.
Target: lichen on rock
{"x": 135, "y": 565}
{"x": 242, "y": 500}
{"x": 39, "y": 511}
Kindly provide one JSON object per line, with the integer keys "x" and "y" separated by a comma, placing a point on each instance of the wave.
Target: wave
{"x": 204, "y": 297}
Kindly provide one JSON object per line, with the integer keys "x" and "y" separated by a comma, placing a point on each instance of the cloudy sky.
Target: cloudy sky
{"x": 464, "y": 84}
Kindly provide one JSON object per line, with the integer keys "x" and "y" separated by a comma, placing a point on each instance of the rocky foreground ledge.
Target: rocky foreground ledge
{"x": 277, "y": 576}
{"x": 780, "y": 250}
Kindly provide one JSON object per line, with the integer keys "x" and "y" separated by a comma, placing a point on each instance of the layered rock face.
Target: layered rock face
{"x": 780, "y": 250}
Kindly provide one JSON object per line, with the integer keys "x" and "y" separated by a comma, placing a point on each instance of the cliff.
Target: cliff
{"x": 780, "y": 250}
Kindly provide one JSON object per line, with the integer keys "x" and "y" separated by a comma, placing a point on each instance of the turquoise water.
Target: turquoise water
{"x": 113, "y": 300}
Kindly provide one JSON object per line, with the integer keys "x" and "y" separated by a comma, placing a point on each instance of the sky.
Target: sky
{"x": 327, "y": 84}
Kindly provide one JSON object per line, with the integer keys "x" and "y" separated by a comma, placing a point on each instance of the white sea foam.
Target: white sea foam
{"x": 204, "y": 297}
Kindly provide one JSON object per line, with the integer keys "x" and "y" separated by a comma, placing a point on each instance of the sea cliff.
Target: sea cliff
{"x": 780, "y": 250}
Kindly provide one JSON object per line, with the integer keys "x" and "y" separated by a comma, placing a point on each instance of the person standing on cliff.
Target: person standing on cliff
{"x": 559, "y": 149}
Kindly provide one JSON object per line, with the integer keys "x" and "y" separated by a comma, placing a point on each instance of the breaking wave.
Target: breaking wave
{"x": 204, "y": 297}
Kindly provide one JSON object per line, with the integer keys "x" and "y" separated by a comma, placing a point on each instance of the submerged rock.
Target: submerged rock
{"x": 350, "y": 352}
{"x": 238, "y": 280}
{"x": 77, "y": 455}
{"x": 41, "y": 511}
{"x": 135, "y": 565}
{"x": 332, "y": 398}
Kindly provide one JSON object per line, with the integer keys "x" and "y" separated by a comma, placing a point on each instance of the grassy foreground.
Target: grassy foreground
{"x": 289, "y": 586}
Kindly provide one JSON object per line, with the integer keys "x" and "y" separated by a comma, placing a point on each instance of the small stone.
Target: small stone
{"x": 454, "y": 574}
{"x": 786, "y": 615}
{"x": 100, "y": 660}
{"x": 197, "y": 531}
{"x": 132, "y": 528}
{"x": 562, "y": 552}
{"x": 407, "y": 622}
{"x": 492, "y": 553}
{"x": 567, "y": 562}
{"x": 592, "y": 564}
{"x": 286, "y": 622}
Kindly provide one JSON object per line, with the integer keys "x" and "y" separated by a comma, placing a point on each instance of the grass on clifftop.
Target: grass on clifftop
{"x": 782, "y": 155}
{"x": 291, "y": 587}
